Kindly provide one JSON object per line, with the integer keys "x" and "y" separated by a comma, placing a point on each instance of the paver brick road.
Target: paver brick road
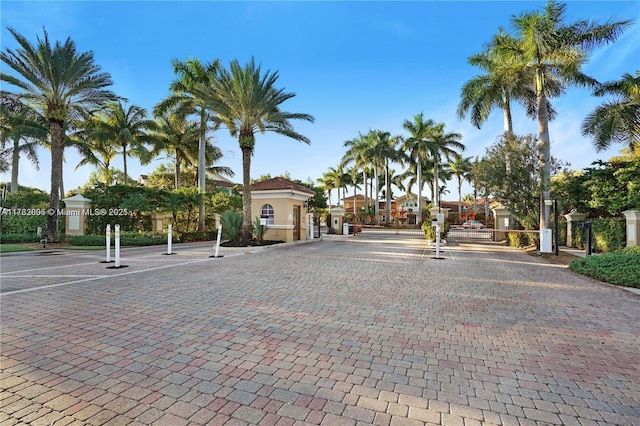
{"x": 365, "y": 330}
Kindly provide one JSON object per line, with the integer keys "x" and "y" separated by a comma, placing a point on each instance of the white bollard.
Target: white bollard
{"x": 108, "y": 232}
{"x": 218, "y": 240}
{"x": 169, "y": 240}
{"x": 117, "y": 246}
{"x": 437, "y": 240}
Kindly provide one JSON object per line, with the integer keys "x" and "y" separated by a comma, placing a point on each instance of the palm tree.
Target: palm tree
{"x": 19, "y": 123}
{"x": 441, "y": 143}
{"x": 354, "y": 179}
{"x": 126, "y": 128}
{"x": 392, "y": 153}
{"x": 330, "y": 180}
{"x": 358, "y": 153}
{"x": 178, "y": 137}
{"x": 417, "y": 148}
{"x": 193, "y": 77}
{"x": 377, "y": 139}
{"x": 616, "y": 121}
{"x": 248, "y": 102}
{"x": 58, "y": 82}
{"x": 506, "y": 79}
{"x": 461, "y": 168}
{"x": 98, "y": 152}
{"x": 549, "y": 47}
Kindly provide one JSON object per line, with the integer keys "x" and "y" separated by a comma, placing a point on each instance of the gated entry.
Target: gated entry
{"x": 473, "y": 234}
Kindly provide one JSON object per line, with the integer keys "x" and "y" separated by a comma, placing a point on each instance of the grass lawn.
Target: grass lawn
{"x": 12, "y": 248}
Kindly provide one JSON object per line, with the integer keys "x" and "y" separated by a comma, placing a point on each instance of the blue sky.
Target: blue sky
{"x": 354, "y": 66}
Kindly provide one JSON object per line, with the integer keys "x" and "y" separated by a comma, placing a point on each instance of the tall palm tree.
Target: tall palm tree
{"x": 330, "y": 181}
{"x": 358, "y": 153}
{"x": 548, "y": 46}
{"x": 22, "y": 129}
{"x": 248, "y": 102}
{"x": 193, "y": 77}
{"x": 354, "y": 179}
{"x": 506, "y": 79}
{"x": 127, "y": 128}
{"x": 392, "y": 153}
{"x": 442, "y": 144}
{"x": 461, "y": 168}
{"x": 95, "y": 151}
{"x": 618, "y": 120}
{"x": 377, "y": 150}
{"x": 417, "y": 148}
{"x": 178, "y": 137}
{"x": 344, "y": 181}
{"x": 58, "y": 82}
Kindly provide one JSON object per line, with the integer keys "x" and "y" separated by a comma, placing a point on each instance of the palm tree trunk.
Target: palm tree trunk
{"x": 436, "y": 189}
{"x": 201, "y": 168}
{"x": 124, "y": 159}
{"x": 545, "y": 155}
{"x": 508, "y": 129}
{"x": 177, "y": 177}
{"x": 377, "y": 205}
{"x": 387, "y": 190}
{"x": 459, "y": 198}
{"x": 508, "y": 122}
{"x": 366, "y": 193}
{"x": 15, "y": 163}
{"x": 57, "y": 148}
{"x": 419, "y": 178}
{"x": 245, "y": 230}
{"x": 355, "y": 196}
{"x": 486, "y": 206}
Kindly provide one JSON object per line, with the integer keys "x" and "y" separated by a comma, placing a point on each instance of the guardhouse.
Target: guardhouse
{"x": 283, "y": 205}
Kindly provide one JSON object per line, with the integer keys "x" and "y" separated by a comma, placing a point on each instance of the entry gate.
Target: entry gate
{"x": 382, "y": 230}
{"x": 454, "y": 233}
{"x": 470, "y": 234}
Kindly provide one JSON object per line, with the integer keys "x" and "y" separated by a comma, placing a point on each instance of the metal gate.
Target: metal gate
{"x": 382, "y": 230}
{"x": 470, "y": 234}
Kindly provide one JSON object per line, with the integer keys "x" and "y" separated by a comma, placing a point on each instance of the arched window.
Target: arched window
{"x": 267, "y": 211}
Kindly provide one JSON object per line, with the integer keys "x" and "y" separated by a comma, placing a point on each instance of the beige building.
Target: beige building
{"x": 282, "y": 204}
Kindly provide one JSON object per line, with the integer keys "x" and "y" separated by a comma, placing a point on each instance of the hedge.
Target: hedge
{"x": 615, "y": 268}
{"x": 126, "y": 239}
{"x": 608, "y": 235}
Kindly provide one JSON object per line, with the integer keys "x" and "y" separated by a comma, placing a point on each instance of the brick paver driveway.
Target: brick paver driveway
{"x": 337, "y": 332}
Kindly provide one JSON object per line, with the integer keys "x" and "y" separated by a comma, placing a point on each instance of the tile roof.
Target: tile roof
{"x": 279, "y": 183}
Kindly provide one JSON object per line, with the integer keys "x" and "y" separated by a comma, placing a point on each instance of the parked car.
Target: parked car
{"x": 472, "y": 224}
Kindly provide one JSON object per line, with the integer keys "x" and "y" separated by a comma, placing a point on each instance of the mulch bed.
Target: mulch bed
{"x": 563, "y": 258}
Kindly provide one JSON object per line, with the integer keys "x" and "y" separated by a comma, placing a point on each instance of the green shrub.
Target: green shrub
{"x": 258, "y": 229}
{"x": 430, "y": 232}
{"x": 231, "y": 224}
{"x": 20, "y": 238}
{"x": 89, "y": 240}
{"x": 522, "y": 239}
{"x": 210, "y": 235}
{"x": 614, "y": 268}
{"x": 126, "y": 205}
{"x": 631, "y": 250}
{"x": 608, "y": 235}
{"x": 126, "y": 239}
